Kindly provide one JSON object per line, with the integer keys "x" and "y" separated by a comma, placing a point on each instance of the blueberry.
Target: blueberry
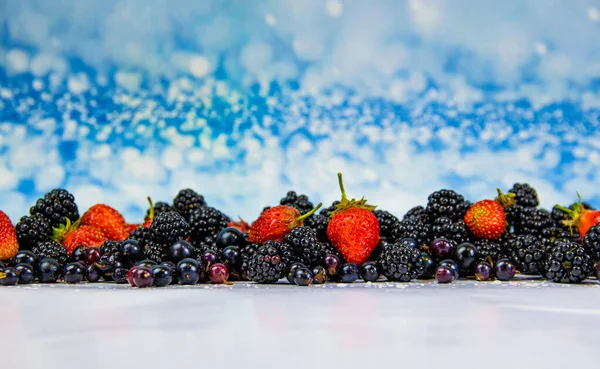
{"x": 349, "y": 273}
{"x": 369, "y": 271}
{"x": 452, "y": 265}
{"x": 504, "y": 270}
{"x": 231, "y": 256}
{"x": 163, "y": 275}
{"x": 25, "y": 272}
{"x": 429, "y": 266}
{"x": 302, "y": 276}
{"x": 181, "y": 250}
{"x": 228, "y": 237}
{"x": 319, "y": 275}
{"x": 73, "y": 273}
{"x": 465, "y": 256}
{"x": 444, "y": 274}
{"x": 24, "y": 257}
{"x": 48, "y": 270}
{"x": 187, "y": 271}
{"x": 132, "y": 250}
{"x": 291, "y": 269}
{"x": 10, "y": 277}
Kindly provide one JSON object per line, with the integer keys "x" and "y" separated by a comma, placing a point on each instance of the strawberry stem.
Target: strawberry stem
{"x": 344, "y": 197}
{"x": 505, "y": 200}
{"x": 302, "y": 217}
{"x": 151, "y": 213}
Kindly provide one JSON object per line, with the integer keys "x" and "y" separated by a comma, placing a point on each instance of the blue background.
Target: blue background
{"x": 118, "y": 100}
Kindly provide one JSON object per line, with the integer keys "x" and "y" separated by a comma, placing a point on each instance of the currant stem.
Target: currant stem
{"x": 2, "y": 275}
{"x": 302, "y": 217}
{"x": 344, "y": 197}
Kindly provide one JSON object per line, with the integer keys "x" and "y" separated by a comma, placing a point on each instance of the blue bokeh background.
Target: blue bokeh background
{"x": 119, "y": 100}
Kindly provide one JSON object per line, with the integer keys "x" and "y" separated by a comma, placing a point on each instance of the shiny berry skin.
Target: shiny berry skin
{"x": 229, "y": 237}
{"x": 92, "y": 255}
{"x": 25, "y": 272}
{"x": 429, "y": 266}
{"x": 466, "y": 255}
{"x": 332, "y": 264}
{"x": 218, "y": 273}
{"x": 319, "y": 275}
{"x": 504, "y": 270}
{"x": 483, "y": 271}
{"x": 444, "y": 274}
{"x": 2, "y": 266}
{"x": 48, "y": 270}
{"x": 92, "y": 274}
{"x": 169, "y": 264}
{"x": 449, "y": 263}
{"x": 163, "y": 275}
{"x": 132, "y": 250}
{"x": 231, "y": 256}
{"x": 369, "y": 271}
{"x": 119, "y": 275}
{"x": 79, "y": 253}
{"x": 142, "y": 277}
{"x": 441, "y": 248}
{"x": 11, "y": 277}
{"x": 73, "y": 273}
{"x": 188, "y": 272}
{"x": 146, "y": 262}
{"x": 349, "y": 273}
{"x": 410, "y": 242}
{"x": 24, "y": 257}
{"x": 290, "y": 274}
{"x": 130, "y": 274}
{"x": 209, "y": 257}
{"x": 302, "y": 276}
{"x": 180, "y": 250}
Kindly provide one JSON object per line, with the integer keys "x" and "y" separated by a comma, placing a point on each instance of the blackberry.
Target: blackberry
{"x": 269, "y": 264}
{"x": 155, "y": 252}
{"x": 591, "y": 241}
{"x": 568, "y": 262}
{"x": 51, "y": 249}
{"x": 319, "y": 223}
{"x": 32, "y": 230}
{"x": 112, "y": 248}
{"x": 528, "y": 253}
{"x": 401, "y": 263}
{"x": 143, "y": 235}
{"x": 454, "y": 231}
{"x": 187, "y": 201}
{"x": 327, "y": 211}
{"x": 414, "y": 228}
{"x": 446, "y": 203}
{"x": 56, "y": 206}
{"x": 416, "y": 212}
{"x": 306, "y": 246}
{"x": 533, "y": 221}
{"x": 387, "y": 221}
{"x": 550, "y": 234}
{"x": 159, "y": 208}
{"x": 525, "y": 195}
{"x": 491, "y": 249}
{"x": 207, "y": 222}
{"x": 300, "y": 202}
{"x": 169, "y": 227}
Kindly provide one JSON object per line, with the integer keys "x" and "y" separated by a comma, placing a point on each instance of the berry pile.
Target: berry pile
{"x": 188, "y": 242}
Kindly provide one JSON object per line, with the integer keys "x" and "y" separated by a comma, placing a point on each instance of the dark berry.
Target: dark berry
{"x": 159, "y": 208}
{"x": 415, "y": 228}
{"x": 48, "y": 270}
{"x": 446, "y": 203}
{"x": 417, "y": 212}
{"x": 591, "y": 241}
{"x": 132, "y": 250}
{"x": 143, "y": 277}
{"x": 441, "y": 248}
{"x": 305, "y": 244}
{"x": 290, "y": 274}
{"x": 73, "y": 273}
{"x": 455, "y": 231}
{"x": 56, "y": 206}
{"x": 187, "y": 201}
{"x": 429, "y": 266}
{"x": 528, "y": 253}
{"x": 319, "y": 275}
{"x": 451, "y": 264}
{"x": 188, "y": 271}
{"x": 300, "y": 202}
{"x": 466, "y": 256}
{"x": 387, "y": 222}
{"x": 146, "y": 262}
{"x": 270, "y": 262}
{"x": 533, "y": 221}
{"x": 303, "y": 277}
{"x": 155, "y": 252}
{"x": 130, "y": 275}
{"x": 401, "y": 263}
{"x": 25, "y": 272}
{"x": 568, "y": 262}
{"x": 483, "y": 271}
{"x": 92, "y": 255}
{"x": 24, "y": 257}
{"x": 444, "y": 274}
{"x": 231, "y": 256}
{"x": 169, "y": 227}
{"x": 207, "y": 222}
{"x": 9, "y": 277}
{"x": 525, "y": 195}
{"x": 53, "y": 250}
{"x": 349, "y": 273}
{"x": 332, "y": 264}
{"x": 92, "y": 274}
{"x": 218, "y": 273}
{"x": 504, "y": 270}
{"x": 163, "y": 275}
{"x": 492, "y": 250}
{"x": 180, "y": 250}
{"x": 79, "y": 253}
{"x": 319, "y": 224}
{"x": 119, "y": 274}
{"x": 32, "y": 230}
{"x": 209, "y": 257}
{"x": 369, "y": 271}
{"x": 229, "y": 237}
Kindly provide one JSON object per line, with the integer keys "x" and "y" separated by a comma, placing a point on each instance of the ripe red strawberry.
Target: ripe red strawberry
{"x": 353, "y": 229}
{"x": 131, "y": 227}
{"x": 8, "y": 238}
{"x": 276, "y": 222}
{"x": 581, "y": 217}
{"x": 106, "y": 219}
{"x": 85, "y": 235}
{"x": 241, "y": 225}
{"x": 486, "y": 219}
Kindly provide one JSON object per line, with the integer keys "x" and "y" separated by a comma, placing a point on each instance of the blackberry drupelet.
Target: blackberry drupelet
{"x": 319, "y": 223}
{"x": 300, "y": 202}
{"x": 414, "y": 228}
{"x": 112, "y": 248}
{"x": 306, "y": 246}
{"x": 568, "y": 262}
{"x": 159, "y": 208}
{"x": 327, "y": 211}
{"x": 56, "y": 206}
{"x": 187, "y": 201}
{"x": 169, "y": 227}
{"x": 533, "y": 221}
{"x": 32, "y": 230}
{"x": 401, "y": 263}
{"x": 269, "y": 264}
{"x": 207, "y": 222}
{"x": 417, "y": 212}
{"x": 446, "y": 203}
{"x": 155, "y": 252}
{"x": 591, "y": 241}
{"x": 528, "y": 254}
{"x": 550, "y": 234}
{"x": 143, "y": 235}
{"x": 525, "y": 195}
{"x": 387, "y": 221}
{"x": 491, "y": 249}
{"x": 454, "y": 231}
{"x": 51, "y": 249}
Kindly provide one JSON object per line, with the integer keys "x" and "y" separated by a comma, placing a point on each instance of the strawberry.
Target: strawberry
{"x": 106, "y": 219}
{"x": 130, "y": 227}
{"x": 150, "y": 217}
{"x": 353, "y": 229}
{"x": 276, "y": 222}
{"x": 84, "y": 235}
{"x": 486, "y": 219}
{"x": 8, "y": 238}
{"x": 241, "y": 225}
{"x": 581, "y": 217}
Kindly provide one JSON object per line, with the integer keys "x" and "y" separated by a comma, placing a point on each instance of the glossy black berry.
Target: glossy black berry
{"x": 180, "y": 250}
{"x": 349, "y": 273}
{"x": 504, "y": 270}
{"x": 529, "y": 254}
{"x": 401, "y": 263}
{"x": 387, "y": 221}
{"x": 92, "y": 274}
{"x": 483, "y": 271}
{"x": 26, "y": 273}
{"x": 452, "y": 265}
{"x": 119, "y": 274}
{"x": 56, "y": 206}
{"x": 10, "y": 277}
{"x": 270, "y": 262}
{"x": 163, "y": 275}
{"x": 231, "y": 256}
{"x": 466, "y": 256}
{"x": 230, "y": 237}
{"x": 429, "y": 266}
{"x": 444, "y": 274}
{"x": 455, "y": 231}
{"x": 300, "y": 202}
{"x": 525, "y": 195}
{"x": 415, "y": 228}
{"x": 188, "y": 272}
{"x": 446, "y": 203}
{"x": 24, "y": 257}
{"x": 369, "y": 271}
{"x": 303, "y": 276}
{"x": 292, "y": 268}
{"x": 132, "y": 250}
{"x": 568, "y": 262}
{"x": 79, "y": 253}
{"x": 51, "y": 249}
{"x": 147, "y": 263}
{"x": 32, "y": 230}
{"x": 187, "y": 201}
{"x": 49, "y": 270}
{"x": 441, "y": 248}
{"x": 169, "y": 227}
{"x": 73, "y": 273}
